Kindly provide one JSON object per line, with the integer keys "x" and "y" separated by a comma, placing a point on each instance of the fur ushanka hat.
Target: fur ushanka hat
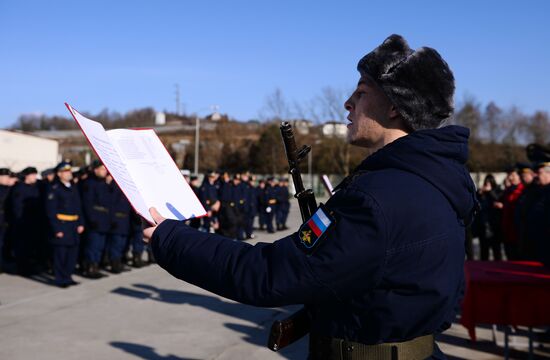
{"x": 418, "y": 82}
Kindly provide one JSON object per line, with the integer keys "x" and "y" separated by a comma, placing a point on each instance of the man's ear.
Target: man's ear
{"x": 393, "y": 114}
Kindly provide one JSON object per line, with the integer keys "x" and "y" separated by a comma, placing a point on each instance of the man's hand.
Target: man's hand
{"x": 59, "y": 235}
{"x": 148, "y": 233}
{"x": 80, "y": 229}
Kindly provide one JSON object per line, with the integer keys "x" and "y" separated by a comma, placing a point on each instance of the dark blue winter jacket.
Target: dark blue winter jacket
{"x": 389, "y": 267}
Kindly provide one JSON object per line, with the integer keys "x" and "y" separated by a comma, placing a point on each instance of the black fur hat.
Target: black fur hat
{"x": 418, "y": 82}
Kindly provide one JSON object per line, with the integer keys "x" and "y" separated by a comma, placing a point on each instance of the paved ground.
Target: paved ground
{"x": 147, "y": 314}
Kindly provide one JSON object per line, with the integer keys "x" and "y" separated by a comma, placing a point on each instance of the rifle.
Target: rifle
{"x": 285, "y": 332}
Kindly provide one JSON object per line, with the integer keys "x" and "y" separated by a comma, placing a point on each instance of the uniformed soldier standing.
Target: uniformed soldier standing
{"x": 537, "y": 235}
{"x": 96, "y": 203}
{"x": 208, "y": 195}
{"x": 381, "y": 265}
{"x": 270, "y": 203}
{"x": 283, "y": 204}
{"x": 260, "y": 201}
{"x": 251, "y": 208}
{"x": 27, "y": 218}
{"x": 229, "y": 217}
{"x": 119, "y": 230}
{"x": 66, "y": 223}
{"x": 136, "y": 240}
{"x": 4, "y": 193}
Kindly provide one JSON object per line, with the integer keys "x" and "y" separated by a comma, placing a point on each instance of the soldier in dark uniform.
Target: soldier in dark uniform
{"x": 283, "y": 204}
{"x": 251, "y": 209}
{"x": 239, "y": 197}
{"x": 4, "y": 193}
{"x": 65, "y": 222}
{"x": 136, "y": 240}
{"x": 538, "y": 223}
{"x": 260, "y": 201}
{"x": 120, "y": 228}
{"x": 228, "y": 210}
{"x": 487, "y": 224}
{"x": 194, "y": 184}
{"x": 96, "y": 203}
{"x": 208, "y": 195}
{"x": 528, "y": 196}
{"x": 381, "y": 265}
{"x": 270, "y": 203}
{"x": 48, "y": 175}
{"x": 27, "y": 219}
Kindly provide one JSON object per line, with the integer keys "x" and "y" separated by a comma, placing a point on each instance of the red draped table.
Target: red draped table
{"x": 510, "y": 293}
{"x": 513, "y": 293}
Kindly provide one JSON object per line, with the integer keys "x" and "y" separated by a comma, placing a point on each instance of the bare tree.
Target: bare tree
{"x": 537, "y": 128}
{"x": 469, "y": 116}
{"x": 328, "y": 105}
{"x": 513, "y": 123}
{"x": 492, "y": 122}
{"x": 276, "y": 107}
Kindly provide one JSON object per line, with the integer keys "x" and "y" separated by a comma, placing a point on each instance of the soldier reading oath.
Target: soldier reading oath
{"x": 380, "y": 265}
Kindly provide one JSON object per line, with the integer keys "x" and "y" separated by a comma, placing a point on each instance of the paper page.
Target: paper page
{"x": 101, "y": 144}
{"x": 156, "y": 175}
{"x": 328, "y": 184}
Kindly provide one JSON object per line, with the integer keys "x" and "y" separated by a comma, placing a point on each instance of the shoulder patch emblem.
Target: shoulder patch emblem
{"x": 313, "y": 230}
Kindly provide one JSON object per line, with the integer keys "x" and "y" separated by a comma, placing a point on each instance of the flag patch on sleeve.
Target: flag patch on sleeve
{"x": 311, "y": 232}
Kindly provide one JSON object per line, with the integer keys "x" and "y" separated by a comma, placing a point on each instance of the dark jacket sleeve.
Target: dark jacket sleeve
{"x": 51, "y": 211}
{"x": 349, "y": 258}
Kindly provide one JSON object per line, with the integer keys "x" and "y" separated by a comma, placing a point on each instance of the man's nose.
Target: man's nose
{"x": 348, "y": 105}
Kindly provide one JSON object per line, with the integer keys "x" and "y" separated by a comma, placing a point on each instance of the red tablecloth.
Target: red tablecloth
{"x": 506, "y": 293}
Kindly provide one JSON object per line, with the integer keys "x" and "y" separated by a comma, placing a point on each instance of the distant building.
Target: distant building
{"x": 302, "y": 126}
{"x": 333, "y": 128}
{"x": 19, "y": 150}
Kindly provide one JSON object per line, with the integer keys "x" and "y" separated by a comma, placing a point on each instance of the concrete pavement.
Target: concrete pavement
{"x": 147, "y": 314}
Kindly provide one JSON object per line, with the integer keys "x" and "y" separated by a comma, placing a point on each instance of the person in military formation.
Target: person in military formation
{"x": 233, "y": 203}
{"x": 96, "y": 201}
{"x": 46, "y": 219}
{"x": 271, "y": 195}
{"x": 381, "y": 265}
{"x": 119, "y": 231}
{"x": 283, "y": 204}
{"x": 26, "y": 220}
{"x": 209, "y": 197}
{"x": 65, "y": 223}
{"x": 5, "y": 187}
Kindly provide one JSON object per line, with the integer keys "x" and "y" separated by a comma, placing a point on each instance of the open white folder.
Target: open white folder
{"x": 143, "y": 169}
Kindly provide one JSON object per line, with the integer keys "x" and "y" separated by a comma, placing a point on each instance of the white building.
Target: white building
{"x": 333, "y": 128}
{"x": 18, "y": 150}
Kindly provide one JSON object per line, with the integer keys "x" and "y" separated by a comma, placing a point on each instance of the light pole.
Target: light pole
{"x": 197, "y": 126}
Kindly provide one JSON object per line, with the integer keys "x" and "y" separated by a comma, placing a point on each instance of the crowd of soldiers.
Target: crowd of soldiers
{"x": 515, "y": 216}
{"x": 66, "y": 221}
{"x": 81, "y": 221}
{"x": 233, "y": 203}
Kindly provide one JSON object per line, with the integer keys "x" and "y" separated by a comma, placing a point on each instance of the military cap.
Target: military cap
{"x": 542, "y": 164}
{"x": 5, "y": 171}
{"x": 47, "y": 172}
{"x": 193, "y": 177}
{"x": 64, "y": 166}
{"x": 95, "y": 164}
{"x": 523, "y": 167}
{"x": 419, "y": 83}
{"x": 28, "y": 170}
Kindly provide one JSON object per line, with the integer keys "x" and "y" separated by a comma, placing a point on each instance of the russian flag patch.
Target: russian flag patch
{"x": 313, "y": 230}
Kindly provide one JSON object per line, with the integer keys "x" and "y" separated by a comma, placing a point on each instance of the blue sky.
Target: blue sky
{"x": 126, "y": 54}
